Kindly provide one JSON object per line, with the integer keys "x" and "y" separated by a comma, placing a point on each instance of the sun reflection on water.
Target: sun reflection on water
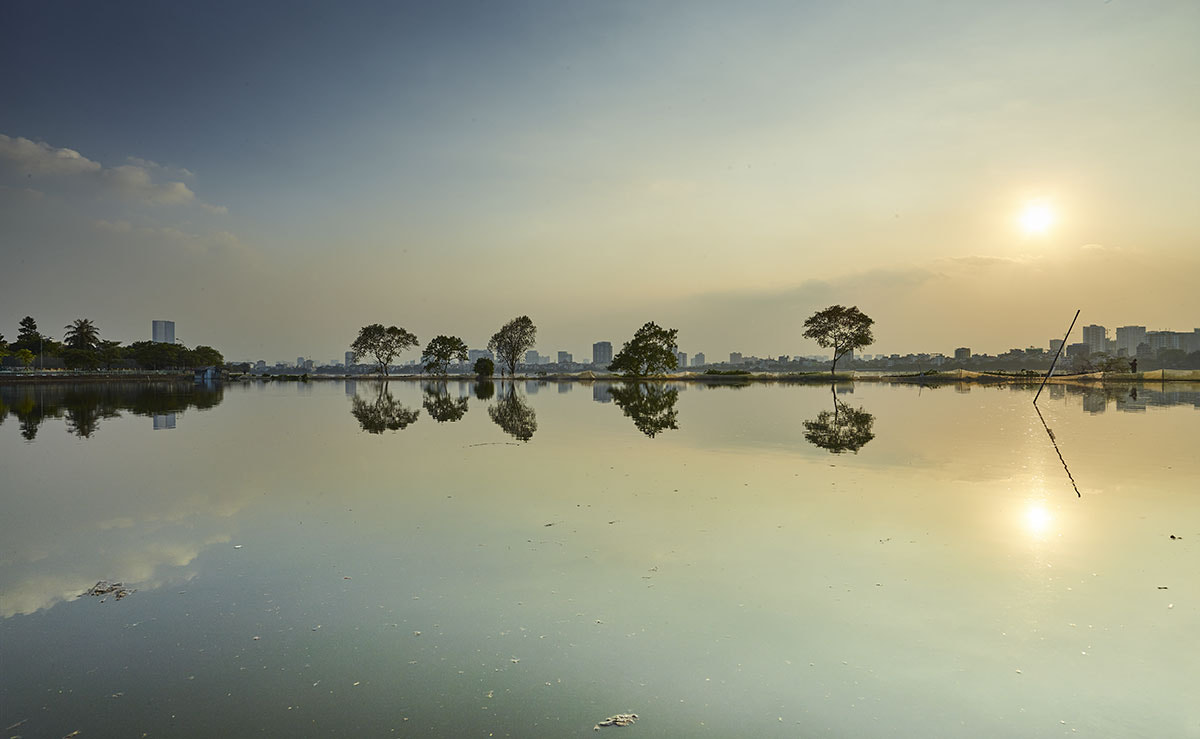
{"x": 1038, "y": 519}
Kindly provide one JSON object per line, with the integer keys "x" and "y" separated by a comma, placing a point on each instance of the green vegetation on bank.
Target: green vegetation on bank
{"x": 83, "y": 349}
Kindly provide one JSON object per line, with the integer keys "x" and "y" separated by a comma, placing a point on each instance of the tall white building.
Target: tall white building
{"x": 1094, "y": 336}
{"x": 162, "y": 332}
{"x": 602, "y": 353}
{"x": 1128, "y": 338}
{"x": 698, "y": 360}
{"x": 681, "y": 359}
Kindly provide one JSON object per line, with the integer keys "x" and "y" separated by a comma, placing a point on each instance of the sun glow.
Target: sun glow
{"x": 1036, "y": 218}
{"x": 1037, "y": 518}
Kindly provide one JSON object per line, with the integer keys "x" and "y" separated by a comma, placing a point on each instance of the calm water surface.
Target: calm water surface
{"x": 354, "y": 560}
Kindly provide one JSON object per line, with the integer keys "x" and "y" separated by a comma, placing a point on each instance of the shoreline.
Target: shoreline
{"x": 809, "y": 378}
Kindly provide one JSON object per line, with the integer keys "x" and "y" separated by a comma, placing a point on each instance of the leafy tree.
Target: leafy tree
{"x": 110, "y": 354}
{"x": 484, "y": 367}
{"x": 651, "y": 352}
{"x": 510, "y": 343}
{"x": 1107, "y": 363}
{"x": 82, "y": 334}
{"x": 441, "y": 351}
{"x": 384, "y": 344}
{"x": 440, "y": 406}
{"x": 25, "y": 356}
{"x": 80, "y": 359}
{"x": 842, "y": 329}
{"x": 205, "y": 356}
{"x": 3, "y": 347}
{"x": 844, "y": 429}
{"x": 27, "y": 330}
{"x": 652, "y": 407}
{"x": 514, "y": 415}
{"x": 156, "y": 355}
{"x": 1172, "y": 359}
{"x": 28, "y": 337}
{"x": 384, "y": 414}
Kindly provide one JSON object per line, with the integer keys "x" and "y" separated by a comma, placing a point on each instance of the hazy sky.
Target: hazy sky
{"x": 274, "y": 176}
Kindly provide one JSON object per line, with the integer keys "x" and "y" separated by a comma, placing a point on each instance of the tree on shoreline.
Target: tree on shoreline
{"x": 384, "y": 344}
{"x": 840, "y": 328}
{"x": 511, "y": 342}
{"x": 650, "y": 352}
{"x": 441, "y": 351}
{"x": 82, "y": 335}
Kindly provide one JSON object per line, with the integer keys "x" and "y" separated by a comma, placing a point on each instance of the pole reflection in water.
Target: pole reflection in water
{"x": 1056, "y": 450}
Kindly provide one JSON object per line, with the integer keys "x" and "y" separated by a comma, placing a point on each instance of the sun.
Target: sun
{"x": 1036, "y": 218}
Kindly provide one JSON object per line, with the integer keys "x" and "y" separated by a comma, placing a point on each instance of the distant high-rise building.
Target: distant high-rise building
{"x": 474, "y": 355}
{"x": 602, "y": 353}
{"x": 565, "y": 358}
{"x": 1159, "y": 340}
{"x": 349, "y": 360}
{"x": 300, "y": 362}
{"x": 681, "y": 359}
{"x": 1094, "y": 336}
{"x": 698, "y": 360}
{"x": 962, "y": 354}
{"x": 531, "y": 357}
{"x": 735, "y": 357}
{"x": 1055, "y": 345}
{"x": 162, "y": 332}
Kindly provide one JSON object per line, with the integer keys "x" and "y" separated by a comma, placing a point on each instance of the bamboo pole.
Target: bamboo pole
{"x": 1056, "y": 356}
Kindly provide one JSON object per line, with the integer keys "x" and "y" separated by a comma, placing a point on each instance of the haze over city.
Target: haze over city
{"x": 272, "y": 177}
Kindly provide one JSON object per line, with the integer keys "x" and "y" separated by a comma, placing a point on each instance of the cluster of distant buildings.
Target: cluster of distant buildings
{"x": 1127, "y": 341}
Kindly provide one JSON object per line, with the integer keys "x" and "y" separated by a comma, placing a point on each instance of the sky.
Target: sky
{"x": 273, "y": 176}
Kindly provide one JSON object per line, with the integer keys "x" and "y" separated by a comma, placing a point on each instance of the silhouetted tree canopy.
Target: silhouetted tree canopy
{"x": 651, "y": 406}
{"x": 383, "y": 344}
{"x": 841, "y": 329}
{"x": 484, "y": 367}
{"x": 650, "y": 352}
{"x": 510, "y": 343}
{"x": 441, "y": 351}
{"x": 82, "y": 334}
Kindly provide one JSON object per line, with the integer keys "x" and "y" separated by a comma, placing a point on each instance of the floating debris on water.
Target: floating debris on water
{"x": 621, "y": 719}
{"x": 104, "y": 587}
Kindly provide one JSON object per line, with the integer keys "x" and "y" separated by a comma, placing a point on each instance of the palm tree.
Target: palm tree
{"x": 82, "y": 334}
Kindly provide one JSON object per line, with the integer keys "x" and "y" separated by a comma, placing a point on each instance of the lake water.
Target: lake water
{"x": 344, "y": 559}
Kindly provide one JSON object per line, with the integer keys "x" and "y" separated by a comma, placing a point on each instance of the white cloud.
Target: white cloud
{"x": 141, "y": 180}
{"x": 35, "y": 157}
{"x": 136, "y": 182}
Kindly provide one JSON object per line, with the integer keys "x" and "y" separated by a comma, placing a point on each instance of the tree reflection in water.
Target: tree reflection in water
{"x": 513, "y": 414}
{"x": 652, "y": 407}
{"x": 441, "y": 407}
{"x": 844, "y": 429}
{"x": 83, "y": 406}
{"x": 484, "y": 389}
{"x": 382, "y": 414}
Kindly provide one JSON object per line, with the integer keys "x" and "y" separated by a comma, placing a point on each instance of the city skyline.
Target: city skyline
{"x": 969, "y": 174}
